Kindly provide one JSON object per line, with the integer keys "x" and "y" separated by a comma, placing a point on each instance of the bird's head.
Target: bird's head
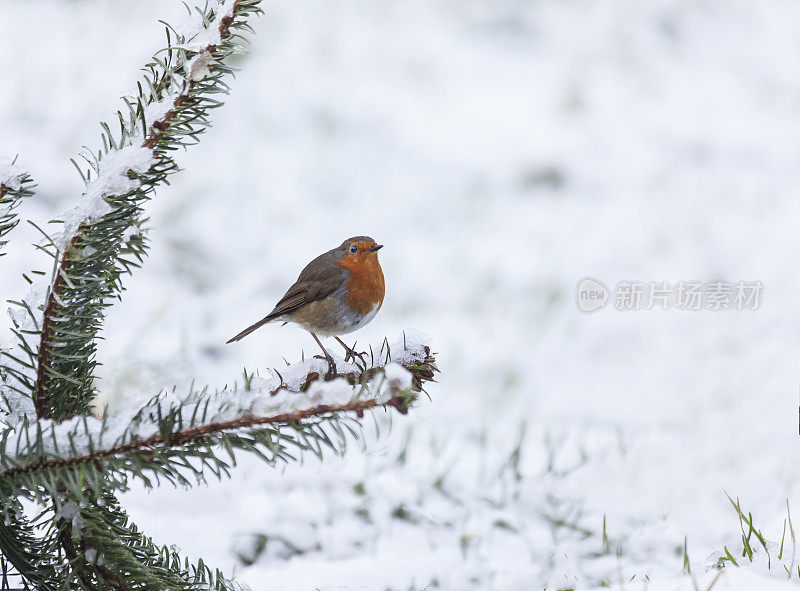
{"x": 357, "y": 251}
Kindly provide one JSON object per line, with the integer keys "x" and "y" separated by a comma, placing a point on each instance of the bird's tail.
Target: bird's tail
{"x": 250, "y": 329}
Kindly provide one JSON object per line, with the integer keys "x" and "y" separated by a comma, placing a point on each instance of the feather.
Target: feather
{"x": 319, "y": 279}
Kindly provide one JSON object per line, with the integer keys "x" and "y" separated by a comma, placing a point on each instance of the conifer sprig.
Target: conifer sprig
{"x": 118, "y": 556}
{"x": 15, "y": 185}
{"x": 20, "y": 545}
{"x": 13, "y": 189}
{"x": 102, "y": 239}
{"x": 178, "y": 441}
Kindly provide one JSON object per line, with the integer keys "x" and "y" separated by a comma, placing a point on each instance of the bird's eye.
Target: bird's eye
{"x": 353, "y": 248}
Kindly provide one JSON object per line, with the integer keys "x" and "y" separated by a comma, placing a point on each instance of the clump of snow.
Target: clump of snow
{"x": 34, "y": 302}
{"x": 130, "y": 232}
{"x": 68, "y": 510}
{"x": 71, "y": 511}
{"x": 413, "y": 345}
{"x": 157, "y": 110}
{"x": 112, "y": 179}
{"x": 398, "y": 376}
{"x": 11, "y": 175}
{"x": 295, "y": 375}
{"x": 197, "y": 68}
{"x": 19, "y": 406}
{"x": 337, "y": 391}
{"x": 197, "y": 35}
{"x": 27, "y": 318}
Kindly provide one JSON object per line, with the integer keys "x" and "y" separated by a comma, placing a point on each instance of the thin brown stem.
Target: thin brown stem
{"x": 194, "y": 434}
{"x": 41, "y": 397}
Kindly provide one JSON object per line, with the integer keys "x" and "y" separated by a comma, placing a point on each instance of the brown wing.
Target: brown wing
{"x": 320, "y": 278}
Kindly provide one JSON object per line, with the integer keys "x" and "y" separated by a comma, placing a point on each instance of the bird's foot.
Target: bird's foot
{"x": 351, "y": 353}
{"x": 331, "y": 373}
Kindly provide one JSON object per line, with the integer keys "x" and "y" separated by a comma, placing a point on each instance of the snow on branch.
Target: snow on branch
{"x": 101, "y": 532}
{"x": 101, "y": 238}
{"x": 15, "y": 184}
{"x": 31, "y": 556}
{"x": 175, "y": 439}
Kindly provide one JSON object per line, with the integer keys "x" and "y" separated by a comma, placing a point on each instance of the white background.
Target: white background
{"x": 501, "y": 150}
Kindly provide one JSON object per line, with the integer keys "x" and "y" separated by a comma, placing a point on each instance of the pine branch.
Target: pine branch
{"x": 15, "y": 185}
{"x": 156, "y": 443}
{"x": 180, "y": 440}
{"x": 19, "y": 544}
{"x": 72, "y": 464}
{"x": 109, "y": 552}
{"x": 102, "y": 239}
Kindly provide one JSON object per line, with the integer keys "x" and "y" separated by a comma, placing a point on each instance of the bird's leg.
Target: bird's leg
{"x": 331, "y": 364}
{"x": 350, "y": 352}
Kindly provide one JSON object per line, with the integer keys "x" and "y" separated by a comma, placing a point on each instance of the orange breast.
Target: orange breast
{"x": 365, "y": 285}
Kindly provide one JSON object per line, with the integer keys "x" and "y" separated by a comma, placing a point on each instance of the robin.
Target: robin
{"x": 337, "y": 293}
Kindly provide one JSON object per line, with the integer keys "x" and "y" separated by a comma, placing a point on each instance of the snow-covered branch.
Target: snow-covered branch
{"x": 101, "y": 239}
{"x": 174, "y": 438}
{"x": 15, "y": 184}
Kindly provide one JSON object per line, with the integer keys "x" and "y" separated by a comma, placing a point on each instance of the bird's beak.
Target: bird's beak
{"x": 375, "y": 248}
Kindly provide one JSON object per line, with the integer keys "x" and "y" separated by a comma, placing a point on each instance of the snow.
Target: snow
{"x": 729, "y": 580}
{"x": 71, "y": 511}
{"x": 112, "y": 179}
{"x": 410, "y": 346}
{"x": 502, "y": 151}
{"x": 264, "y": 398}
{"x": 200, "y": 35}
{"x": 10, "y": 175}
{"x": 197, "y": 67}
{"x": 34, "y": 302}
{"x": 397, "y": 376}
{"x": 157, "y": 110}
{"x": 26, "y": 318}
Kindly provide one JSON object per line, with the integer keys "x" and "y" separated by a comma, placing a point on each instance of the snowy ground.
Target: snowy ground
{"x": 502, "y": 150}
